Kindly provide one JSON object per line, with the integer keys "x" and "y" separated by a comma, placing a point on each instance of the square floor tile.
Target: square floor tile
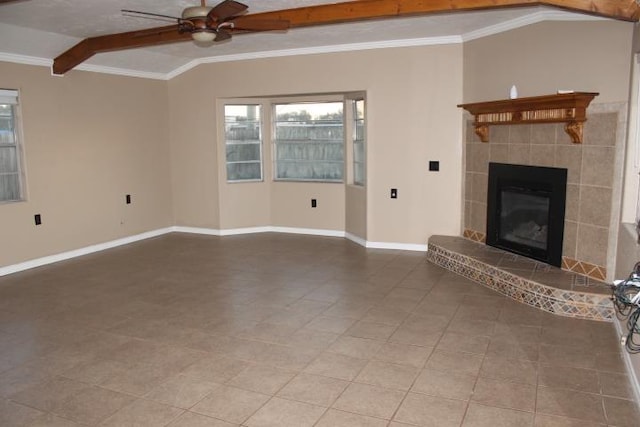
{"x": 570, "y": 403}
{"x": 336, "y": 366}
{"x": 286, "y": 413}
{"x": 181, "y": 391}
{"x": 369, "y": 400}
{"x": 444, "y": 384}
{"x": 314, "y": 389}
{"x": 262, "y": 379}
{"x": 505, "y": 394}
{"x": 231, "y": 404}
{"x": 92, "y": 405}
{"x": 487, "y": 416}
{"x": 430, "y": 411}
{"x": 334, "y": 418}
{"x": 388, "y": 375}
{"x": 143, "y": 413}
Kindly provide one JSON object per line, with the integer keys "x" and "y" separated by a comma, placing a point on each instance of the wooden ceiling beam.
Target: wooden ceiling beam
{"x": 327, "y": 14}
{"x": 112, "y": 42}
{"x": 378, "y": 9}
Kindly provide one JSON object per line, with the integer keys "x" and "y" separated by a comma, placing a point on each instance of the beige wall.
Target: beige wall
{"x": 412, "y": 118}
{"x": 542, "y": 58}
{"x": 89, "y": 139}
{"x": 356, "y": 211}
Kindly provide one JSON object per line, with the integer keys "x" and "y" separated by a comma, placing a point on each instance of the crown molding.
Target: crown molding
{"x": 24, "y": 59}
{"x": 523, "y": 21}
{"x": 119, "y": 71}
{"x": 348, "y": 47}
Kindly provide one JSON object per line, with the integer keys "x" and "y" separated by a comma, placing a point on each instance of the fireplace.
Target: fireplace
{"x": 525, "y": 210}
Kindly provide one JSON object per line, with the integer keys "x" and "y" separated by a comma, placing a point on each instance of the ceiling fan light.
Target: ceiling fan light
{"x": 203, "y": 36}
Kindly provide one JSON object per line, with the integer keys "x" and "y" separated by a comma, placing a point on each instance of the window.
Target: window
{"x": 243, "y": 142}
{"x": 309, "y": 141}
{"x": 358, "y": 142}
{"x": 10, "y": 165}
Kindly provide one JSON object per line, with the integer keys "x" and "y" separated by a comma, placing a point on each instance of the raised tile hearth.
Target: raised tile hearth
{"x": 522, "y": 279}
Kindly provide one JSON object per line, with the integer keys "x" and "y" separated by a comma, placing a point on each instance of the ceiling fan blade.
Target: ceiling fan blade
{"x": 250, "y": 23}
{"x": 149, "y": 14}
{"x": 222, "y": 35}
{"x": 226, "y": 9}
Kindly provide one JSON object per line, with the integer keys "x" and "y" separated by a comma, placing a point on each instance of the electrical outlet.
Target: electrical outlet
{"x": 128, "y": 199}
{"x": 314, "y": 203}
{"x": 394, "y": 193}
{"x": 38, "y": 219}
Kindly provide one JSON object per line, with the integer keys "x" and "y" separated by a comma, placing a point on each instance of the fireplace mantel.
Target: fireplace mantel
{"x": 569, "y": 108}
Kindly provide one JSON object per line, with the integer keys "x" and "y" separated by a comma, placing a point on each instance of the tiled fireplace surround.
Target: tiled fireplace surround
{"x": 593, "y": 181}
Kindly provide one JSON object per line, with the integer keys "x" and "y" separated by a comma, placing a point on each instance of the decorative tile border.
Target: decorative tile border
{"x": 475, "y": 236}
{"x": 583, "y": 268}
{"x": 583, "y": 305}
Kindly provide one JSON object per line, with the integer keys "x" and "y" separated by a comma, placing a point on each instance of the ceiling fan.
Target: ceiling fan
{"x": 219, "y": 22}
{"x": 213, "y": 23}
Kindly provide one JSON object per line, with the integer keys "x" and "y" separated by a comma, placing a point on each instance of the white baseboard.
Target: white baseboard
{"x": 397, "y": 246}
{"x": 205, "y": 231}
{"x": 633, "y": 375}
{"x": 38, "y": 262}
{"x": 356, "y": 239}
{"x": 308, "y": 231}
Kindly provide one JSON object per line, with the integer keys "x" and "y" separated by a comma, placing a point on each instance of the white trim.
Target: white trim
{"x": 120, "y": 71}
{"x": 82, "y": 251}
{"x": 356, "y": 239}
{"x": 398, "y": 246}
{"x": 244, "y": 230}
{"x": 532, "y": 18}
{"x": 308, "y": 231}
{"x": 196, "y": 230}
{"x": 24, "y": 59}
{"x": 633, "y": 375}
{"x": 349, "y": 47}
{"x": 38, "y": 262}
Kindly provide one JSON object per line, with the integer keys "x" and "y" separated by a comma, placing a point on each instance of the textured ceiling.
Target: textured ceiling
{"x": 45, "y": 28}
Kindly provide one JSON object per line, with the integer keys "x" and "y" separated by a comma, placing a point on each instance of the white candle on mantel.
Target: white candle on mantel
{"x": 513, "y": 93}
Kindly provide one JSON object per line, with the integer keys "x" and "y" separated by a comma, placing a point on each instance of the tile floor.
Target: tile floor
{"x": 282, "y": 330}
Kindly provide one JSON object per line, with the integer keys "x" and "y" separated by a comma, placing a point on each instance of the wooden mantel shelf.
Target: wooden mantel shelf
{"x": 569, "y": 108}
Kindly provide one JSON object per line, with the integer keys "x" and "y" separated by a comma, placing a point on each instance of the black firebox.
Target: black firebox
{"x": 525, "y": 210}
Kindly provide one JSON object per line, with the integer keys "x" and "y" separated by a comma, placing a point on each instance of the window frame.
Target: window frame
{"x": 354, "y": 134}
{"x": 12, "y": 97}
{"x": 260, "y": 144}
{"x": 274, "y": 141}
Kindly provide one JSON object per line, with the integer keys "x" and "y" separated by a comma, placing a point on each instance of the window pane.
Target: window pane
{"x": 358, "y": 142}
{"x": 8, "y": 159}
{"x": 243, "y": 171}
{"x": 243, "y": 152}
{"x": 310, "y": 151}
{"x": 306, "y": 170}
{"x": 243, "y": 140}
{"x": 309, "y": 141}
{"x": 9, "y": 187}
